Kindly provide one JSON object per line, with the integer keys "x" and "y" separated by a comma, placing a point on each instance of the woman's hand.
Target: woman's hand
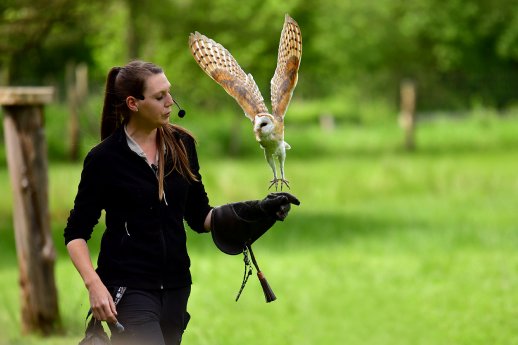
{"x": 101, "y": 302}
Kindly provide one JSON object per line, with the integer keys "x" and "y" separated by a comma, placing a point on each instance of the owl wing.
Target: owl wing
{"x": 286, "y": 74}
{"x": 221, "y": 66}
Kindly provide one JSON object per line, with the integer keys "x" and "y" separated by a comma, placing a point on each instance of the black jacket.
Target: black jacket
{"x": 144, "y": 244}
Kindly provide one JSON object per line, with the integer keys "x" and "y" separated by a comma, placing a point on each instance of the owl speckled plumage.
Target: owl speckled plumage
{"x": 221, "y": 66}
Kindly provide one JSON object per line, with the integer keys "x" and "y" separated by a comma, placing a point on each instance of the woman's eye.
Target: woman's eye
{"x": 162, "y": 96}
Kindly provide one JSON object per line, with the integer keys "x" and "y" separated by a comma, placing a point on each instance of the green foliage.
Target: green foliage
{"x": 40, "y": 37}
{"x": 450, "y": 49}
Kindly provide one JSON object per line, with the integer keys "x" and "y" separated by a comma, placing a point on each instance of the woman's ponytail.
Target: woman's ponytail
{"x": 110, "y": 118}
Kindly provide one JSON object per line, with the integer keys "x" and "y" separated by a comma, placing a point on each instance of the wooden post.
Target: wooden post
{"x": 73, "y": 108}
{"x": 27, "y": 161}
{"x": 77, "y": 91}
{"x": 327, "y": 122}
{"x": 407, "y": 115}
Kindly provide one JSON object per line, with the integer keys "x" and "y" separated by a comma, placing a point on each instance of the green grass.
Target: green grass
{"x": 387, "y": 247}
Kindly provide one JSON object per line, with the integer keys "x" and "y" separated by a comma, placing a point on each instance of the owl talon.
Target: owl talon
{"x": 276, "y": 183}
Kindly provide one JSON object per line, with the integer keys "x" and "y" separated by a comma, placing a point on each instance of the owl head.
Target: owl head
{"x": 264, "y": 125}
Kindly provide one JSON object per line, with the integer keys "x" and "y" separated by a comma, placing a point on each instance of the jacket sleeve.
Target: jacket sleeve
{"x": 88, "y": 202}
{"x": 197, "y": 206}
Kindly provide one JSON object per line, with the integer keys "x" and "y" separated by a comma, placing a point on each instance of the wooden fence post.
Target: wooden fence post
{"x": 407, "y": 115}
{"x": 77, "y": 91}
{"x": 27, "y": 161}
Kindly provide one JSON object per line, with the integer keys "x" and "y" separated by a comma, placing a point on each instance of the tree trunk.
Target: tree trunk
{"x": 77, "y": 90}
{"x": 27, "y": 160}
{"x": 132, "y": 29}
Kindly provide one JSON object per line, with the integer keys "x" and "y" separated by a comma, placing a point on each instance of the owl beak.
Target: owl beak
{"x": 260, "y": 126}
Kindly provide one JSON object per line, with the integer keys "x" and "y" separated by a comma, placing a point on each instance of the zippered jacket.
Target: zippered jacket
{"x": 144, "y": 243}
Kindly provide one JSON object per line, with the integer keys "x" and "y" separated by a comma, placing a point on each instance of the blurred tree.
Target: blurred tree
{"x": 467, "y": 60}
{"x": 37, "y": 38}
{"x": 459, "y": 52}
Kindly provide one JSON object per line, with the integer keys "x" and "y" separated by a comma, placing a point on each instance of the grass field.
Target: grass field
{"x": 387, "y": 247}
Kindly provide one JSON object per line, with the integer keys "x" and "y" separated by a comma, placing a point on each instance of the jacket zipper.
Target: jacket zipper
{"x": 164, "y": 248}
{"x": 164, "y": 251}
{"x": 163, "y": 241}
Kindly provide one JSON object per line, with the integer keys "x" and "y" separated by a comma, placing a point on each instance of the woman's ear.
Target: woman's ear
{"x": 132, "y": 103}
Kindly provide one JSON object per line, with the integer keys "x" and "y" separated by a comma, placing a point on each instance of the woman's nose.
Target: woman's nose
{"x": 169, "y": 100}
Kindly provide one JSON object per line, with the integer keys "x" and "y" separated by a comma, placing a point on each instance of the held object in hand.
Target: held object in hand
{"x": 95, "y": 333}
{"x": 236, "y": 226}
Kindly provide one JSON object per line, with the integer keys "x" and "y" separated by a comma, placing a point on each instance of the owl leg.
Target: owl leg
{"x": 271, "y": 162}
{"x": 282, "y": 179}
{"x": 276, "y": 180}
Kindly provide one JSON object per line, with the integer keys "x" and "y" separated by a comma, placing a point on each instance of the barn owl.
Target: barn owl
{"x": 268, "y": 127}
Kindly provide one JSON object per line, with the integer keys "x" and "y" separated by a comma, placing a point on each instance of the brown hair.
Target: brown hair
{"x": 129, "y": 80}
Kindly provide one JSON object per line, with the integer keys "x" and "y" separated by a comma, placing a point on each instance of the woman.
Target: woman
{"x": 145, "y": 175}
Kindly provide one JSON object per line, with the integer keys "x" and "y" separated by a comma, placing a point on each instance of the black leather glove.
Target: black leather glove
{"x": 237, "y": 225}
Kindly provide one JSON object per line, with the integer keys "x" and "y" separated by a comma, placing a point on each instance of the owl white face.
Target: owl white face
{"x": 263, "y": 125}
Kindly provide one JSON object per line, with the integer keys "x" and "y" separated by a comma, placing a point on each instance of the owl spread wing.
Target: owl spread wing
{"x": 285, "y": 78}
{"x": 221, "y": 66}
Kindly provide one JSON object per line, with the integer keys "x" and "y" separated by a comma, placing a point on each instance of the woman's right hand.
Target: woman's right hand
{"x": 101, "y": 302}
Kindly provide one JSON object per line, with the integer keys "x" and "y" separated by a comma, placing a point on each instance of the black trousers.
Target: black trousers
{"x": 152, "y": 317}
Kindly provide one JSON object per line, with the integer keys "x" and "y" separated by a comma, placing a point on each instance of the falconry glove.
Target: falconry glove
{"x": 236, "y": 226}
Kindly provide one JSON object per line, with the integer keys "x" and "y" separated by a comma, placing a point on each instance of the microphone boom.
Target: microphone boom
{"x": 181, "y": 112}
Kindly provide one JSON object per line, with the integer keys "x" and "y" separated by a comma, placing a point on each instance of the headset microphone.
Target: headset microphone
{"x": 181, "y": 112}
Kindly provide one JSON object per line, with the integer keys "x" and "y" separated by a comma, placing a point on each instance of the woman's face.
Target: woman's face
{"x": 154, "y": 110}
